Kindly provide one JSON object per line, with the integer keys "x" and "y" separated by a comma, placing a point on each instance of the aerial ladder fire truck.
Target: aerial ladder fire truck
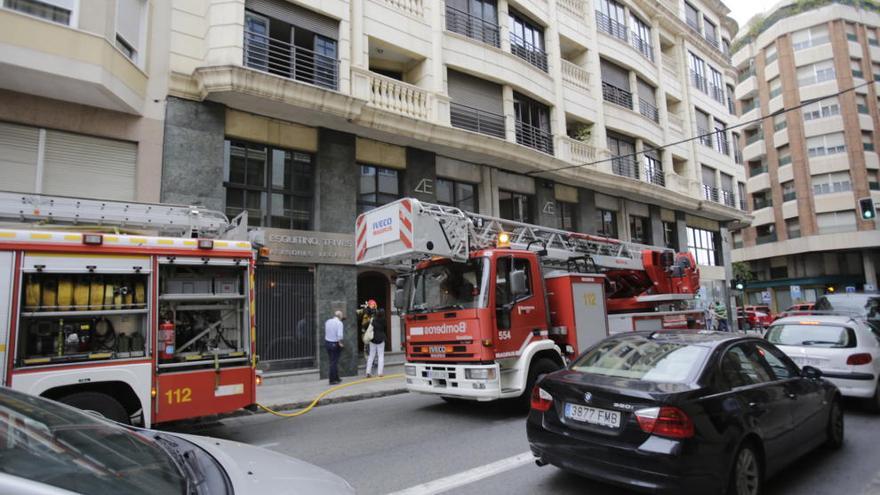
{"x": 140, "y": 312}
{"x": 490, "y": 304}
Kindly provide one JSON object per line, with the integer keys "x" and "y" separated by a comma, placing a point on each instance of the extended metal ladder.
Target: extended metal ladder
{"x": 165, "y": 220}
{"x": 437, "y": 230}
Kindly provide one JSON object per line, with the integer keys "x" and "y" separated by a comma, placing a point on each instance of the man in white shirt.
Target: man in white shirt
{"x": 333, "y": 341}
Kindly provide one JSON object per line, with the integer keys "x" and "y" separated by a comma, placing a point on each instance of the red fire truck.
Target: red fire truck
{"x": 493, "y": 303}
{"x": 139, "y": 328}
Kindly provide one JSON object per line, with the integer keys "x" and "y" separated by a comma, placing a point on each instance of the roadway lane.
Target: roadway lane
{"x": 394, "y": 443}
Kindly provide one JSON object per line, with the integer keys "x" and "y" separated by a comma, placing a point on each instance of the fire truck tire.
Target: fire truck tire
{"x": 99, "y": 403}
{"x": 539, "y": 367}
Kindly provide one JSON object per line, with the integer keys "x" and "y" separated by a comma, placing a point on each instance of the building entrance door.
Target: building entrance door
{"x": 376, "y": 286}
{"x": 286, "y": 325}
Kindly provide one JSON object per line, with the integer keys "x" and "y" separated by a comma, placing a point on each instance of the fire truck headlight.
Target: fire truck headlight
{"x": 480, "y": 374}
{"x": 410, "y": 370}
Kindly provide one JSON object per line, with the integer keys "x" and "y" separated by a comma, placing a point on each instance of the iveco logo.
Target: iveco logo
{"x": 588, "y": 397}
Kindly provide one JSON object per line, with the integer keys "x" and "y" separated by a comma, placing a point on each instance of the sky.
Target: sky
{"x": 743, "y": 10}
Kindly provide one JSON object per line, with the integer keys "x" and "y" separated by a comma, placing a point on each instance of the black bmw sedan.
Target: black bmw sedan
{"x": 682, "y": 412}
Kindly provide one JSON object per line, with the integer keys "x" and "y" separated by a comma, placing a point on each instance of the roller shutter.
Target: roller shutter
{"x": 296, "y": 16}
{"x": 77, "y": 165}
{"x": 18, "y": 157}
{"x": 614, "y": 75}
{"x": 475, "y": 92}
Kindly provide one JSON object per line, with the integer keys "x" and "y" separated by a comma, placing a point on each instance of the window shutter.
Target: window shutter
{"x": 615, "y": 75}
{"x": 726, "y": 182}
{"x": 297, "y": 16}
{"x": 129, "y": 14}
{"x": 18, "y": 157}
{"x": 708, "y": 176}
{"x": 77, "y": 165}
{"x": 475, "y": 92}
{"x": 646, "y": 92}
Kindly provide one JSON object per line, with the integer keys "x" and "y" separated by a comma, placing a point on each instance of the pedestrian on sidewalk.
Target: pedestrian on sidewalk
{"x": 333, "y": 341}
{"x": 377, "y": 344}
{"x": 721, "y": 316}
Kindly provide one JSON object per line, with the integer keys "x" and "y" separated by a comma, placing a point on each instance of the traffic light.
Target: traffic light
{"x": 738, "y": 284}
{"x": 866, "y": 207}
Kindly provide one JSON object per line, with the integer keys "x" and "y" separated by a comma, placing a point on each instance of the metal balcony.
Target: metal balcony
{"x": 616, "y": 95}
{"x": 476, "y": 120}
{"x": 293, "y": 62}
{"x": 534, "y": 137}
{"x": 528, "y": 52}
{"x": 471, "y": 26}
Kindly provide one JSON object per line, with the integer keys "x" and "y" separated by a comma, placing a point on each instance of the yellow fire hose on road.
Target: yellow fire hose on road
{"x": 326, "y": 393}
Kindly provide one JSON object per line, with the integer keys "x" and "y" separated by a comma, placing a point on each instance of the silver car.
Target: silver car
{"x": 49, "y": 448}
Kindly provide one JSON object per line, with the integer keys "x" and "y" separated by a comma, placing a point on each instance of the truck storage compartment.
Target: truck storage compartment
{"x": 203, "y": 315}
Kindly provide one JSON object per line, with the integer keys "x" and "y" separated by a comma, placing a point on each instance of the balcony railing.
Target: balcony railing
{"x": 789, "y": 196}
{"x": 704, "y": 136}
{"x": 721, "y": 144}
{"x": 616, "y": 95}
{"x": 717, "y": 93}
{"x": 745, "y": 74}
{"x": 766, "y": 239}
{"x": 727, "y": 198}
{"x": 472, "y": 26}
{"x": 580, "y": 152}
{"x": 528, "y": 52}
{"x": 643, "y": 46}
{"x": 742, "y": 205}
{"x": 610, "y": 26}
{"x": 399, "y": 97}
{"x": 762, "y": 202}
{"x": 755, "y": 170}
{"x": 476, "y": 120}
{"x": 694, "y": 24}
{"x": 534, "y": 137}
{"x": 649, "y": 110}
{"x": 699, "y": 81}
{"x": 655, "y": 175}
{"x": 575, "y": 75}
{"x": 748, "y": 107}
{"x": 293, "y": 62}
{"x": 625, "y": 166}
{"x": 754, "y": 138}
{"x": 710, "y": 193}
{"x": 412, "y": 7}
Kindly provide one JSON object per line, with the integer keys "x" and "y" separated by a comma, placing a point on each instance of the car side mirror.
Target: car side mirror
{"x": 811, "y": 372}
{"x": 399, "y": 299}
{"x": 400, "y": 282}
{"x": 518, "y": 284}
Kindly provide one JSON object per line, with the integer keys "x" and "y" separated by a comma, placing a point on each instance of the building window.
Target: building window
{"x": 831, "y": 183}
{"x": 836, "y": 221}
{"x": 622, "y": 149}
{"x": 692, "y": 16}
{"x": 704, "y": 134}
{"x": 716, "y": 85}
{"x": 653, "y": 168}
{"x": 607, "y": 223}
{"x": 762, "y": 199}
{"x": 765, "y": 233}
{"x": 60, "y": 11}
{"x": 611, "y": 18}
{"x": 275, "y": 186}
{"x": 527, "y": 41}
{"x": 532, "y": 124}
{"x": 670, "y": 235}
{"x": 702, "y": 245}
{"x": 129, "y": 27}
{"x": 770, "y": 54}
{"x": 458, "y": 194}
{"x": 565, "y": 211}
{"x": 475, "y": 19}
{"x": 515, "y": 206}
{"x": 793, "y": 228}
{"x": 721, "y": 144}
{"x": 639, "y": 229}
{"x": 816, "y": 73}
{"x": 827, "y": 144}
{"x": 641, "y": 40}
{"x": 788, "y": 191}
{"x": 805, "y": 38}
{"x": 711, "y": 32}
{"x": 378, "y": 186}
{"x": 698, "y": 72}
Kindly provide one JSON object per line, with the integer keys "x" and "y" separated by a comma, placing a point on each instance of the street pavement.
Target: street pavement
{"x": 419, "y": 444}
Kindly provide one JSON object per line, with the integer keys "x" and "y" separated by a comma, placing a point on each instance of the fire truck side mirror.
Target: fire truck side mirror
{"x": 518, "y": 284}
{"x": 400, "y": 282}
{"x": 399, "y": 299}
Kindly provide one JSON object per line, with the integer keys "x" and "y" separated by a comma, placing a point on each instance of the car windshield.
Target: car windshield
{"x": 57, "y": 445}
{"x": 833, "y": 336}
{"x": 449, "y": 285}
{"x": 640, "y": 358}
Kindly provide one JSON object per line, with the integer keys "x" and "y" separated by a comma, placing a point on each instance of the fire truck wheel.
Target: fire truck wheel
{"x": 98, "y": 403}
{"x": 538, "y": 368}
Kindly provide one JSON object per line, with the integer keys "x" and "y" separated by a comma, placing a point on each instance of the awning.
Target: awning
{"x": 807, "y": 281}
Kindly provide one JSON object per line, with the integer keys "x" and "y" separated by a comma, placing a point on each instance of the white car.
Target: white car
{"x": 846, "y": 349}
{"x": 49, "y": 448}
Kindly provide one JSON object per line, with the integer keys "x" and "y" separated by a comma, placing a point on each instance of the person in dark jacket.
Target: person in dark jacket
{"x": 377, "y": 345}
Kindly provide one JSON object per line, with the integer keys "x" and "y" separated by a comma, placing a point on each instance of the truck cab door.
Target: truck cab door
{"x": 519, "y": 310}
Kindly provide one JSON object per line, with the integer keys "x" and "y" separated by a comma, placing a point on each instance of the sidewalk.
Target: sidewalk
{"x": 295, "y": 390}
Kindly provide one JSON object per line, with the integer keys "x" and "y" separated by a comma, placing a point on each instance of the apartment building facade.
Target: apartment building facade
{"x": 808, "y": 167}
{"x": 307, "y": 112}
{"x": 82, "y": 97}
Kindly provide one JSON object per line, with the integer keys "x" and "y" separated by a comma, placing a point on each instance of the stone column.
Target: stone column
{"x": 681, "y": 232}
{"x": 656, "y": 221}
{"x": 192, "y": 166}
{"x": 503, "y": 24}
{"x": 509, "y": 113}
{"x": 870, "y": 268}
{"x": 336, "y": 208}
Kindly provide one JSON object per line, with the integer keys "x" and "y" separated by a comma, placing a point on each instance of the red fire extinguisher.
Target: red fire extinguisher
{"x": 166, "y": 340}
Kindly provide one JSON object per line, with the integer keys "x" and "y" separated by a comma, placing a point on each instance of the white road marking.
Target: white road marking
{"x": 470, "y": 476}
{"x": 267, "y": 445}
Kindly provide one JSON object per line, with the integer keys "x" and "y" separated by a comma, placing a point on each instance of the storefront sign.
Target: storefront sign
{"x": 300, "y": 246}
{"x": 795, "y": 292}
{"x": 765, "y": 296}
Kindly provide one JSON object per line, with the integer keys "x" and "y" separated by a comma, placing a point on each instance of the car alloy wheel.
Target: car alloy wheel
{"x": 747, "y": 477}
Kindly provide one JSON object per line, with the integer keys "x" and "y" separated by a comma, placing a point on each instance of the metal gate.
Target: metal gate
{"x": 286, "y": 335}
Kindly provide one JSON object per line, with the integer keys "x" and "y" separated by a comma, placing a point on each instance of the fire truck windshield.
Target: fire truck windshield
{"x": 450, "y": 285}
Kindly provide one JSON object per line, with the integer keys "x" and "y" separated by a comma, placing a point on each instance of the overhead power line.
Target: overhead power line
{"x": 635, "y": 154}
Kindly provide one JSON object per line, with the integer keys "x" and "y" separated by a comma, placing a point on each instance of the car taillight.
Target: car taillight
{"x": 665, "y": 421}
{"x": 859, "y": 359}
{"x": 541, "y": 399}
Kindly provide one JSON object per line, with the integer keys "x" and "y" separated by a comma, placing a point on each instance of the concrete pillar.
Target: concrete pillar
{"x": 336, "y": 208}
{"x": 509, "y": 112}
{"x": 656, "y": 221}
{"x": 681, "y": 231}
{"x": 870, "y": 268}
{"x": 554, "y": 62}
{"x": 634, "y": 89}
{"x": 588, "y": 221}
{"x": 488, "y": 192}
{"x": 420, "y": 175}
{"x": 359, "y": 57}
{"x": 545, "y": 203}
{"x": 193, "y": 148}
{"x": 503, "y": 24}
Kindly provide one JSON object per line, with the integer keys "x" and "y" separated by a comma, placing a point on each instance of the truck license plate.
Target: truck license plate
{"x": 803, "y": 361}
{"x": 592, "y": 415}
{"x": 437, "y": 375}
